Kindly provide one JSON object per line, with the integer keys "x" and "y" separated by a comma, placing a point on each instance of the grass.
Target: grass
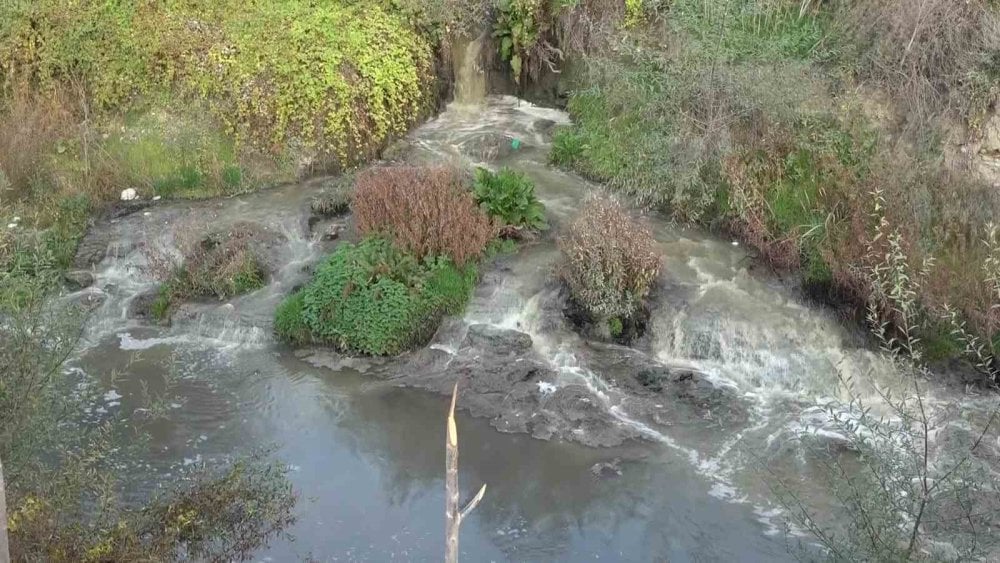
{"x": 35, "y": 253}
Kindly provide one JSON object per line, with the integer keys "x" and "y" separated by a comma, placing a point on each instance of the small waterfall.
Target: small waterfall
{"x": 470, "y": 78}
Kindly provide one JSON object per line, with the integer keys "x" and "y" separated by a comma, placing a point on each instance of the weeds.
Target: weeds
{"x": 221, "y": 265}
{"x": 912, "y": 498}
{"x": 61, "y": 471}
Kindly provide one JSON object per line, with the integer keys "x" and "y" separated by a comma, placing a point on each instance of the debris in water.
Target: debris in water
{"x": 545, "y": 388}
{"x": 607, "y": 469}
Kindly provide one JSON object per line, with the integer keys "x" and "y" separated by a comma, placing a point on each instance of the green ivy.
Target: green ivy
{"x": 338, "y": 76}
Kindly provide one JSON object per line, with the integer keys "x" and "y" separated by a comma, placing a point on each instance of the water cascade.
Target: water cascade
{"x": 760, "y": 363}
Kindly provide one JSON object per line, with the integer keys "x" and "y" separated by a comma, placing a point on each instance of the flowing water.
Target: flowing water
{"x": 367, "y": 456}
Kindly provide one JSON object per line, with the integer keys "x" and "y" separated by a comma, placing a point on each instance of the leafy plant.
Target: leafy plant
{"x": 510, "y": 197}
{"x": 517, "y": 29}
{"x": 611, "y": 261}
{"x": 373, "y": 298}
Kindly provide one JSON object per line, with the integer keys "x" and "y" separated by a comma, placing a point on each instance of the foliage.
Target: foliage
{"x": 273, "y": 72}
{"x": 611, "y": 261}
{"x": 373, "y": 298}
{"x": 615, "y": 327}
{"x": 335, "y": 199}
{"x": 289, "y": 319}
{"x": 903, "y": 494}
{"x": 731, "y": 125}
{"x": 172, "y": 154}
{"x": 517, "y": 30}
{"x": 751, "y": 29}
{"x": 221, "y": 265}
{"x": 509, "y": 196}
{"x": 426, "y": 211}
{"x": 34, "y": 254}
{"x": 62, "y": 467}
{"x": 935, "y": 57}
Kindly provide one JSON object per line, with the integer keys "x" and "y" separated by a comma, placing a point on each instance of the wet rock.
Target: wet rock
{"x": 333, "y": 232}
{"x": 92, "y": 249}
{"x": 543, "y": 126}
{"x": 78, "y": 279}
{"x": 89, "y": 300}
{"x": 491, "y": 147}
{"x": 141, "y": 306}
{"x": 497, "y": 340}
{"x": 503, "y": 379}
{"x": 688, "y": 396}
{"x": 607, "y": 469}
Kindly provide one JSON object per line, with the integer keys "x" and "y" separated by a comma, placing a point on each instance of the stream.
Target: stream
{"x": 759, "y": 367}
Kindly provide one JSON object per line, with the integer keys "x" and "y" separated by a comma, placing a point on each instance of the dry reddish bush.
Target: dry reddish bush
{"x": 931, "y": 55}
{"x": 30, "y": 126}
{"x": 425, "y": 210}
{"x": 611, "y": 261}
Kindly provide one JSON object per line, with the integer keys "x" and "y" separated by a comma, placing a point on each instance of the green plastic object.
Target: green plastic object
{"x": 515, "y": 144}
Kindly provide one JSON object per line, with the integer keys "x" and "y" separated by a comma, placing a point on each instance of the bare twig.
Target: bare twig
{"x": 4, "y": 549}
{"x": 453, "y": 517}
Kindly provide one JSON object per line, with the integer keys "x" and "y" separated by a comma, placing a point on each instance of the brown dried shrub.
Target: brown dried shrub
{"x": 422, "y": 209}
{"x": 934, "y": 56}
{"x": 30, "y": 127}
{"x": 611, "y": 260}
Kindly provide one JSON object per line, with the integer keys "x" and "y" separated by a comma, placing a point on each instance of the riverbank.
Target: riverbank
{"x": 776, "y": 126}
{"x": 165, "y": 102}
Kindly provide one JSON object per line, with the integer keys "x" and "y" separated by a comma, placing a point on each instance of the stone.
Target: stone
{"x": 141, "y": 306}
{"x": 497, "y": 340}
{"x": 78, "y": 279}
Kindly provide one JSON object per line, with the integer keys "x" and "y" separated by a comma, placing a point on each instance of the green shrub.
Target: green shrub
{"x": 373, "y": 298}
{"x": 510, "y": 197}
{"x": 611, "y": 261}
{"x": 272, "y": 71}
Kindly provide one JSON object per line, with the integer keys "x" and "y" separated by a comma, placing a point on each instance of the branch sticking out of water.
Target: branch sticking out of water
{"x": 453, "y": 517}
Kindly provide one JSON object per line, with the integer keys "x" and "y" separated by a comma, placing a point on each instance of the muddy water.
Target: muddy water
{"x": 367, "y": 456}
